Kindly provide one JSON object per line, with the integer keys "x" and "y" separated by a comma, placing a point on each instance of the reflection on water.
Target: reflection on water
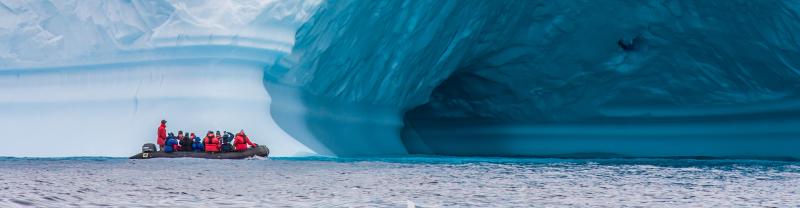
{"x": 397, "y": 182}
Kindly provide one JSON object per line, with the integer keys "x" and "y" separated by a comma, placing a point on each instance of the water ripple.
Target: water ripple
{"x": 393, "y": 182}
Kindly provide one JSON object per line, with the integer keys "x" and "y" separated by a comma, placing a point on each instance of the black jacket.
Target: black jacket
{"x": 186, "y": 144}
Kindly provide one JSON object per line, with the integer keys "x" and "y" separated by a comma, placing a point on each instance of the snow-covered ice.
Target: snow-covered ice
{"x": 96, "y": 77}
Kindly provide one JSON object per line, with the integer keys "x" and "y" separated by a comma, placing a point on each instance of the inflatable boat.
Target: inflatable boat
{"x": 260, "y": 151}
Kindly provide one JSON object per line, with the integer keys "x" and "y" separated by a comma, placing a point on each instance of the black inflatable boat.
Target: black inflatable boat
{"x": 260, "y": 151}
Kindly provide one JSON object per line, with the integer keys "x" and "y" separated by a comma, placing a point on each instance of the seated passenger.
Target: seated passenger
{"x": 180, "y": 138}
{"x": 171, "y": 144}
{"x": 211, "y": 142}
{"x": 197, "y": 146}
{"x": 186, "y": 143}
{"x": 227, "y": 138}
{"x": 242, "y": 141}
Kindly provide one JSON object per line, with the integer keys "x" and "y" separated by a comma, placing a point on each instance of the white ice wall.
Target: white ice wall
{"x": 95, "y": 77}
{"x": 112, "y": 111}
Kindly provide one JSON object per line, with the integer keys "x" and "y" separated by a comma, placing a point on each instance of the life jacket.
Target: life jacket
{"x": 242, "y": 141}
{"x": 211, "y": 143}
{"x": 239, "y": 143}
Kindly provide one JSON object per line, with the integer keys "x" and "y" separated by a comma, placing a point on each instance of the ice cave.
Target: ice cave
{"x": 571, "y": 78}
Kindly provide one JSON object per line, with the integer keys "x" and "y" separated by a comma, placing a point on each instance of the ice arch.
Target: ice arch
{"x": 467, "y": 77}
{"x": 545, "y": 78}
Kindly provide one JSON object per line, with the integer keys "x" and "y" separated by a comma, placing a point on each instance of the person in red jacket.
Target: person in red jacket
{"x": 211, "y": 142}
{"x": 162, "y": 135}
{"x": 241, "y": 141}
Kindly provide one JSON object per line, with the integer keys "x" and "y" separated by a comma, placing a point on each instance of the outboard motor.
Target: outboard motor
{"x": 149, "y": 147}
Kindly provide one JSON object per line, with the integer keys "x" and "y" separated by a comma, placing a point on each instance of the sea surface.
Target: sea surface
{"x": 397, "y": 182}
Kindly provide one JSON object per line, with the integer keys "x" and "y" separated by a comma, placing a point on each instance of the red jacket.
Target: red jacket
{"x": 162, "y": 134}
{"x": 241, "y": 141}
{"x": 211, "y": 143}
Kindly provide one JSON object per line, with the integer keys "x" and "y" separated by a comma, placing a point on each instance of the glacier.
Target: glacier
{"x": 574, "y": 78}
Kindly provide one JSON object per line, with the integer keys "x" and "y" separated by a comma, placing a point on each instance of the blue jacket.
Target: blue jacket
{"x": 171, "y": 141}
{"x": 198, "y": 144}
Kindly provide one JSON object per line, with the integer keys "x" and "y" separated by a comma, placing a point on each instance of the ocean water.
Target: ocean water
{"x": 397, "y": 182}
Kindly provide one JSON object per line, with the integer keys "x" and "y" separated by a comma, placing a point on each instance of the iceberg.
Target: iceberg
{"x": 94, "y": 77}
{"x": 394, "y": 77}
{"x": 545, "y": 78}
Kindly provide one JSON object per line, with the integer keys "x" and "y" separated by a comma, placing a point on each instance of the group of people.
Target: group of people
{"x": 213, "y": 142}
